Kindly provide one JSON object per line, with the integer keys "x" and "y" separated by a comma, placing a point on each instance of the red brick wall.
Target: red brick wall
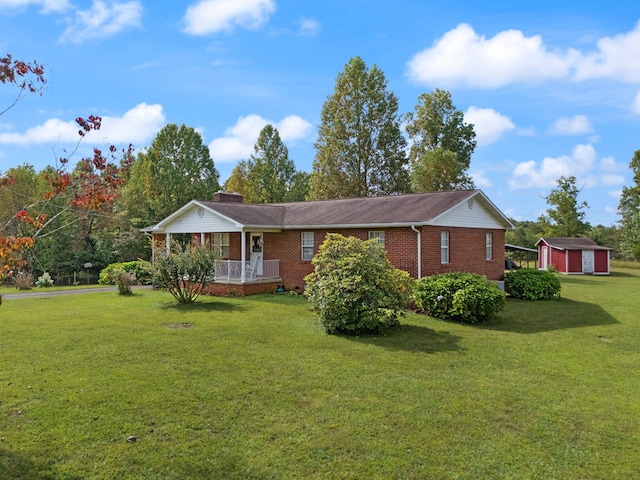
{"x": 466, "y": 247}
{"x": 466, "y": 251}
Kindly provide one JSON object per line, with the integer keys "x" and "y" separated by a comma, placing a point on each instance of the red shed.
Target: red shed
{"x": 573, "y": 256}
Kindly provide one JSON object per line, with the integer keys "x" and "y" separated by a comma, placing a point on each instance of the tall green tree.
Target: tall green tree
{"x": 270, "y": 171}
{"x": 360, "y": 149}
{"x": 269, "y": 175}
{"x": 299, "y": 189}
{"x": 566, "y": 216}
{"x": 237, "y": 181}
{"x": 176, "y": 169}
{"x": 629, "y": 211}
{"x": 441, "y": 144}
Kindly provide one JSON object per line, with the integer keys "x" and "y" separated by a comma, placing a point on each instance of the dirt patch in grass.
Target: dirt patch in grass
{"x": 179, "y": 326}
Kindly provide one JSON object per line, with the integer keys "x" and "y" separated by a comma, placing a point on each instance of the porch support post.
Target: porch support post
{"x": 243, "y": 256}
{"x": 168, "y": 243}
{"x": 201, "y": 238}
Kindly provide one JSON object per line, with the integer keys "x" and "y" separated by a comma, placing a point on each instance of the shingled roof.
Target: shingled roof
{"x": 392, "y": 210}
{"x": 568, "y": 243}
{"x": 395, "y": 209}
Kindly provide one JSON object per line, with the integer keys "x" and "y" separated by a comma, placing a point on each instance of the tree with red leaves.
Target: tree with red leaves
{"x": 91, "y": 187}
{"x": 28, "y": 78}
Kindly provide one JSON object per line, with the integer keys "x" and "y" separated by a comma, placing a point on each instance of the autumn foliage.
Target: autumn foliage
{"x": 26, "y": 77}
{"x": 89, "y": 188}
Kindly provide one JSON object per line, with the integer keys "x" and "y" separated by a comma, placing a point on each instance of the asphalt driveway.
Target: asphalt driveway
{"x": 56, "y": 293}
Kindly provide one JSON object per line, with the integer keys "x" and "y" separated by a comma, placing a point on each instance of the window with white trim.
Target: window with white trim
{"x": 220, "y": 241}
{"x": 377, "y": 235}
{"x": 307, "y": 245}
{"x": 444, "y": 247}
{"x": 489, "y": 245}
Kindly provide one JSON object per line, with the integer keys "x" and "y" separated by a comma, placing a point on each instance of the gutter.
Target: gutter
{"x": 413, "y": 227}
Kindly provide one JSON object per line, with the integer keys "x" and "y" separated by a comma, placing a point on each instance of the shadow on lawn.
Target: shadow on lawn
{"x": 202, "y": 306}
{"x": 521, "y": 316}
{"x": 17, "y": 467}
{"x": 413, "y": 338}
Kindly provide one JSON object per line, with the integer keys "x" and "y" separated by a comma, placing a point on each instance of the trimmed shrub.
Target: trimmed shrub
{"x": 139, "y": 268}
{"x": 531, "y": 284}
{"x": 354, "y": 288}
{"x": 465, "y": 297}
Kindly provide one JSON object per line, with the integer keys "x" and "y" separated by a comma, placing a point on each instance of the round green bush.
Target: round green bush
{"x": 354, "y": 289}
{"x": 531, "y": 284}
{"x": 139, "y": 268}
{"x": 464, "y": 297}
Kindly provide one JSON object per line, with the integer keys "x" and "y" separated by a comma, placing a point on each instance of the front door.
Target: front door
{"x": 587, "y": 261}
{"x": 256, "y": 254}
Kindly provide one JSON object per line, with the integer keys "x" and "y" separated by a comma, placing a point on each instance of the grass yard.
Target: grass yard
{"x": 253, "y": 388}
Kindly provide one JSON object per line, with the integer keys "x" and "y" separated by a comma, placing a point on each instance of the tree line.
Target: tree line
{"x": 73, "y": 222}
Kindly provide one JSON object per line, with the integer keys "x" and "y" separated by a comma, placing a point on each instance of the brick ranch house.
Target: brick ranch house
{"x": 264, "y": 246}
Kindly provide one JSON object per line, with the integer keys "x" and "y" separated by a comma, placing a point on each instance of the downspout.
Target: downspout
{"x": 413, "y": 227}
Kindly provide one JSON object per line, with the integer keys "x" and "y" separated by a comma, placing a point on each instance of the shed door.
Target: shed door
{"x": 544, "y": 264}
{"x": 587, "y": 261}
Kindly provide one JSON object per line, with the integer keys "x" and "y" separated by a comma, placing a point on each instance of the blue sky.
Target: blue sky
{"x": 553, "y": 88}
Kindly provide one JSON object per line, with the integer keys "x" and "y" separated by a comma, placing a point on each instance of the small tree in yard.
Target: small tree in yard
{"x": 354, "y": 288}
{"x": 186, "y": 271}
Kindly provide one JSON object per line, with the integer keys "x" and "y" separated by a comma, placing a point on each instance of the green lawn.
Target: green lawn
{"x": 253, "y": 388}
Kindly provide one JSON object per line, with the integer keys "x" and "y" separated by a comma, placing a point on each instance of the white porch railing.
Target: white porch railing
{"x": 230, "y": 271}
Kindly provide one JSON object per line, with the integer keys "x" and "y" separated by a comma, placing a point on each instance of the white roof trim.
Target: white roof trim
{"x": 488, "y": 203}
{"x": 160, "y": 226}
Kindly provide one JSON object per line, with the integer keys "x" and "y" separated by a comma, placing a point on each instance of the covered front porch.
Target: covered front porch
{"x": 250, "y": 269}
{"x": 245, "y": 265}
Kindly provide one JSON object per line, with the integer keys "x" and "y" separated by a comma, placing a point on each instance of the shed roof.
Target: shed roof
{"x": 568, "y": 243}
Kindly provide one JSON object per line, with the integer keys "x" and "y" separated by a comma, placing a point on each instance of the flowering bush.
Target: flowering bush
{"x": 44, "y": 280}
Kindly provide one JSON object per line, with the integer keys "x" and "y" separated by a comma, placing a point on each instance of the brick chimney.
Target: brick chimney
{"x": 227, "y": 197}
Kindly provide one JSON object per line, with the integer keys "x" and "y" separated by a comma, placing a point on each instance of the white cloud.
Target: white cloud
{"x": 480, "y": 180}
{"x": 488, "y": 124}
{"x": 47, "y": 6}
{"x": 617, "y": 58}
{"x": 615, "y": 193}
{"x": 240, "y": 139}
{"x": 136, "y": 126}
{"x": 611, "y": 180}
{"x": 576, "y": 125}
{"x": 609, "y": 209}
{"x": 309, "y": 27}
{"x": 211, "y": 16}
{"x": 463, "y": 57}
{"x": 609, "y": 164}
{"x": 531, "y": 174}
{"x": 102, "y": 20}
{"x": 635, "y": 107}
